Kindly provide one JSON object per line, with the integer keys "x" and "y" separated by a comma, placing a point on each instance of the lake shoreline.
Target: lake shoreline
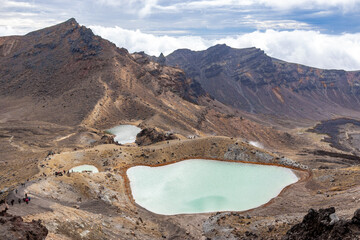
{"x": 302, "y": 175}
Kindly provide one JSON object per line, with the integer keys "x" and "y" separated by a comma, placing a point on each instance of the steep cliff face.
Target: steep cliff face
{"x": 250, "y": 80}
{"x": 65, "y": 74}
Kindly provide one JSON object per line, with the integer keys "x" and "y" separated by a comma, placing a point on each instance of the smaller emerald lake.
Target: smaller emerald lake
{"x": 84, "y": 168}
{"x": 124, "y": 133}
{"x": 200, "y": 186}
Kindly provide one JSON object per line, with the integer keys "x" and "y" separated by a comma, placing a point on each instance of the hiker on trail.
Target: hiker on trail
{"x": 19, "y": 200}
{"x": 27, "y": 200}
{"x": 16, "y": 191}
{"x": 12, "y": 202}
{"x": 25, "y": 195}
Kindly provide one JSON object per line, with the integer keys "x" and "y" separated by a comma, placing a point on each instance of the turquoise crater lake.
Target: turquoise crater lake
{"x": 200, "y": 186}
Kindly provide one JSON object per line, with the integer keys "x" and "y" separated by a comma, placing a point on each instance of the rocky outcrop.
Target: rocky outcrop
{"x": 149, "y": 136}
{"x": 244, "y": 153}
{"x": 13, "y": 227}
{"x": 324, "y": 224}
{"x": 236, "y": 152}
{"x": 185, "y": 87}
{"x": 213, "y": 230}
{"x": 107, "y": 139}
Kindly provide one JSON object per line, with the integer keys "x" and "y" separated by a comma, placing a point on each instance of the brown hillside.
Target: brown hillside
{"x": 66, "y": 75}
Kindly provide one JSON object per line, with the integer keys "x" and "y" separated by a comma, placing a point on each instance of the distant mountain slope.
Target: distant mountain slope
{"x": 249, "y": 80}
{"x": 66, "y": 75}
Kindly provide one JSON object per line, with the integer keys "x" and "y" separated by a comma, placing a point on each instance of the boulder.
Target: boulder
{"x": 107, "y": 139}
{"x": 149, "y": 136}
{"x": 325, "y": 224}
{"x": 356, "y": 218}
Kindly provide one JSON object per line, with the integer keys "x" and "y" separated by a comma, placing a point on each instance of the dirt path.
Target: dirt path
{"x": 36, "y": 204}
{"x": 63, "y": 138}
{"x": 39, "y": 204}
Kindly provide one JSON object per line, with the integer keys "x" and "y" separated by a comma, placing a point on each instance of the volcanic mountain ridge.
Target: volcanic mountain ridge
{"x": 70, "y": 76}
{"x": 249, "y": 80}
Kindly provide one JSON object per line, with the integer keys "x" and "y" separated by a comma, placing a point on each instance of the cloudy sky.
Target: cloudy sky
{"x": 319, "y": 33}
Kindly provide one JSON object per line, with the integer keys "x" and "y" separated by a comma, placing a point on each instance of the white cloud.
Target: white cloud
{"x": 136, "y": 41}
{"x": 8, "y": 31}
{"x": 305, "y": 47}
{"x": 310, "y": 48}
{"x": 140, "y": 7}
{"x": 15, "y": 4}
{"x": 274, "y": 24}
{"x": 22, "y": 24}
{"x": 345, "y": 5}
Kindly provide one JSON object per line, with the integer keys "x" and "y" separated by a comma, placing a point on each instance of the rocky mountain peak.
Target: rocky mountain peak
{"x": 68, "y": 25}
{"x": 71, "y": 21}
{"x": 227, "y": 49}
{"x": 219, "y": 47}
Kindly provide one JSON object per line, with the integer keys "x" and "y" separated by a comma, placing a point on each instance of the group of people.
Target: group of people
{"x": 60, "y": 173}
{"x": 4, "y": 205}
{"x": 25, "y": 199}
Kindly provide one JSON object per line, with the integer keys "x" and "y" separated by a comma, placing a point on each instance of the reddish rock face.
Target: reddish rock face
{"x": 67, "y": 75}
{"x": 249, "y": 80}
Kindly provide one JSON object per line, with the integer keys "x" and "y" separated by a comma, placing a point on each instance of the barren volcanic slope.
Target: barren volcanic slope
{"x": 62, "y": 86}
{"x": 248, "y": 79}
{"x": 67, "y": 75}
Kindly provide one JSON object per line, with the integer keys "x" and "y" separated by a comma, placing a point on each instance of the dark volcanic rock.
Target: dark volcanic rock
{"x": 150, "y": 135}
{"x": 332, "y": 128}
{"x": 107, "y": 139}
{"x": 324, "y": 224}
{"x": 13, "y": 227}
